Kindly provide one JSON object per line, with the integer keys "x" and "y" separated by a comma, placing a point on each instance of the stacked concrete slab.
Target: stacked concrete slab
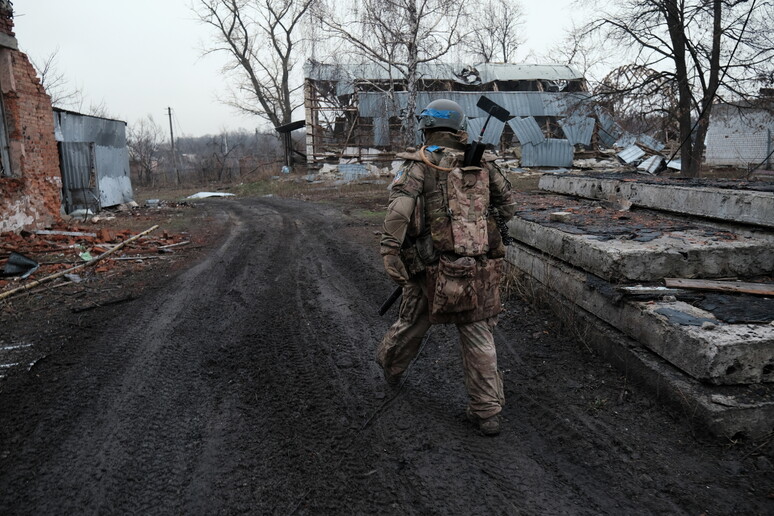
{"x": 603, "y": 248}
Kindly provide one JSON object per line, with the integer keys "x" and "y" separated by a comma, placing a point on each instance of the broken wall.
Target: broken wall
{"x": 30, "y": 186}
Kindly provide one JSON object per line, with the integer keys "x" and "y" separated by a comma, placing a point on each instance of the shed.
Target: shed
{"x": 94, "y": 161}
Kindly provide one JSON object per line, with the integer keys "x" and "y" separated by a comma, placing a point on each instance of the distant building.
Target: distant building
{"x": 30, "y": 181}
{"x": 354, "y": 111}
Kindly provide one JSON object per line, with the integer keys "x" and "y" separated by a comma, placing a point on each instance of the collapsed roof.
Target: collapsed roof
{"x": 352, "y": 110}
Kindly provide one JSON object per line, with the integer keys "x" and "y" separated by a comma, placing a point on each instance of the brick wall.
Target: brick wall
{"x": 31, "y": 197}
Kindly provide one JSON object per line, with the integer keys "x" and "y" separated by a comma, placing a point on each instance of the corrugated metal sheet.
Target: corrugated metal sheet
{"x": 628, "y": 139}
{"x": 527, "y": 130}
{"x": 79, "y": 184}
{"x": 518, "y": 103}
{"x": 652, "y": 165}
{"x": 578, "y": 129}
{"x": 625, "y": 140}
{"x": 609, "y": 130}
{"x": 494, "y": 130}
{"x": 631, "y": 154}
{"x": 381, "y": 131}
{"x": 551, "y": 153}
{"x": 650, "y": 142}
{"x": 109, "y": 155}
{"x": 115, "y": 185}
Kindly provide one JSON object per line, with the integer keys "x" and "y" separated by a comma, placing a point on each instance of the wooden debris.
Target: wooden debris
{"x": 761, "y": 289}
{"x": 91, "y": 262}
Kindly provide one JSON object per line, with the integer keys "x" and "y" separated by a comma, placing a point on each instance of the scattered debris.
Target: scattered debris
{"x": 62, "y": 251}
{"x": 204, "y": 195}
{"x": 81, "y": 213}
{"x": 20, "y": 265}
{"x": 35, "y": 283}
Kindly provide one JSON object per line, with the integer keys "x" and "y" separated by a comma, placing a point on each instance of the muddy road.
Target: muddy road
{"x": 247, "y": 384}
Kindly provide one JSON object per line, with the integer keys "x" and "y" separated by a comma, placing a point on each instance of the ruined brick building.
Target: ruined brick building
{"x": 30, "y": 180}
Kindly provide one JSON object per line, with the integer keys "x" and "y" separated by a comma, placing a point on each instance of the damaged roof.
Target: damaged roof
{"x": 466, "y": 74}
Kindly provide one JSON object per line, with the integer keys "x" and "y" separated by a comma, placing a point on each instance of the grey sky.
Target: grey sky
{"x": 140, "y": 56}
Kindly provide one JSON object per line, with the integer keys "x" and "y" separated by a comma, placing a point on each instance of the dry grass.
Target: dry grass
{"x": 531, "y": 291}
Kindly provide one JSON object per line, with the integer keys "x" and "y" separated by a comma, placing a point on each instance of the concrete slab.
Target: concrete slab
{"x": 637, "y": 246}
{"x": 736, "y": 205}
{"x": 729, "y": 412}
{"x": 692, "y": 339}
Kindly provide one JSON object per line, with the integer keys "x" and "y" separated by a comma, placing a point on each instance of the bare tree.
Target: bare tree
{"x": 582, "y": 51}
{"x": 710, "y": 49}
{"x": 398, "y": 35}
{"x": 496, "y": 31}
{"x": 63, "y": 94}
{"x": 642, "y": 100}
{"x": 261, "y": 37}
{"x": 144, "y": 140}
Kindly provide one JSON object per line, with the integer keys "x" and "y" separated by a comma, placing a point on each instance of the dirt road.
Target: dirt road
{"x": 246, "y": 384}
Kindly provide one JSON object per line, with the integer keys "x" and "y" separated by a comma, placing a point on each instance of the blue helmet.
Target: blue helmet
{"x": 443, "y": 113}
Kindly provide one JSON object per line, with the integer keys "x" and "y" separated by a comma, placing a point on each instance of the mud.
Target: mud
{"x": 245, "y": 383}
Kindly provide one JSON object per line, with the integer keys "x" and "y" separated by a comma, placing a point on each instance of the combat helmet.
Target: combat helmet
{"x": 443, "y": 113}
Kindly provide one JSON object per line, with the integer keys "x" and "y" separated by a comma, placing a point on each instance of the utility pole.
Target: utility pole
{"x": 172, "y": 138}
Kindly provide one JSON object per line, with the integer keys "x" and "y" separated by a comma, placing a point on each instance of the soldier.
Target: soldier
{"x": 441, "y": 244}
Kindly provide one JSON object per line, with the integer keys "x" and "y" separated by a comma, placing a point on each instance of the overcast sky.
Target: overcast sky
{"x": 139, "y": 57}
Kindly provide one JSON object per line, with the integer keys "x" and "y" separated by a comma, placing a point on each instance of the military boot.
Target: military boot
{"x": 487, "y": 426}
{"x": 393, "y": 380}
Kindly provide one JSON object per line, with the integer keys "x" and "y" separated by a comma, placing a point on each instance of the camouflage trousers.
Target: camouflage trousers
{"x": 479, "y": 357}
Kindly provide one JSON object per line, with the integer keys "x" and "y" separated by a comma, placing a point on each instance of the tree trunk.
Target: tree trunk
{"x": 412, "y": 50}
{"x": 709, "y": 95}
{"x": 674, "y": 18}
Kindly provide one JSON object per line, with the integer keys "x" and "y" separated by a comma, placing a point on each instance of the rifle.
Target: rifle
{"x": 390, "y": 300}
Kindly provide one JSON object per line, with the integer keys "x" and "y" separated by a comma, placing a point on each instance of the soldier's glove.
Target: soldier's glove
{"x": 395, "y": 268}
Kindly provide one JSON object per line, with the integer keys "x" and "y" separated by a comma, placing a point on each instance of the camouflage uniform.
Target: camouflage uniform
{"x": 450, "y": 273}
